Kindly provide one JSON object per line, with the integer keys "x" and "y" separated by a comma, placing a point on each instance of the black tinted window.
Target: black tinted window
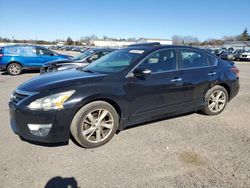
{"x": 105, "y": 53}
{"x": 95, "y": 56}
{"x": 98, "y": 55}
{"x": 193, "y": 58}
{"x": 164, "y": 60}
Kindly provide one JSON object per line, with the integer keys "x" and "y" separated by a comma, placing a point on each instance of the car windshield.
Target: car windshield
{"x": 115, "y": 61}
{"x": 84, "y": 54}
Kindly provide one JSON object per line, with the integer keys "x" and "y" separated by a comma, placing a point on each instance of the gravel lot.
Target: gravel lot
{"x": 187, "y": 151}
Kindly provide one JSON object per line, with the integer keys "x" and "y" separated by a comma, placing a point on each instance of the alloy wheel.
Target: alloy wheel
{"x": 217, "y": 101}
{"x": 14, "y": 69}
{"x": 97, "y": 125}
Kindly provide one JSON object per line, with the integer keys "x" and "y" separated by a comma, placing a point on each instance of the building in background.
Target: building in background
{"x": 116, "y": 43}
{"x": 244, "y": 45}
{"x": 60, "y": 43}
{"x": 109, "y": 43}
{"x": 162, "y": 41}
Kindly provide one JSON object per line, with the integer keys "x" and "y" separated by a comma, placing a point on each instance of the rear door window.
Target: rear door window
{"x": 20, "y": 50}
{"x": 193, "y": 59}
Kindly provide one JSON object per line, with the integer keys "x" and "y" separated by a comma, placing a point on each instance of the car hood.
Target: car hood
{"x": 66, "y": 56}
{"x": 59, "y": 79}
{"x": 60, "y": 62}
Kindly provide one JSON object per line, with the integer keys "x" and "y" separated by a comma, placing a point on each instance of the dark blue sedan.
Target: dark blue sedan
{"x": 126, "y": 87}
{"x": 14, "y": 59}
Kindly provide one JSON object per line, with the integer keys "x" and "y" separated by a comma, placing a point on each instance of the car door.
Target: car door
{"x": 157, "y": 93}
{"x": 198, "y": 71}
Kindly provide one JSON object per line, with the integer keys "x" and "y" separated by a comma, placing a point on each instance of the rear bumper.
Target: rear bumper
{"x": 244, "y": 58}
{"x": 234, "y": 88}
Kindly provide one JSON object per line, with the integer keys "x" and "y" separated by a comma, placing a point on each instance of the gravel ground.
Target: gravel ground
{"x": 187, "y": 151}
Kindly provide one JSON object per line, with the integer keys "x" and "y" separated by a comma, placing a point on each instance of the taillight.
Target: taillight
{"x": 1, "y": 55}
{"x": 236, "y": 71}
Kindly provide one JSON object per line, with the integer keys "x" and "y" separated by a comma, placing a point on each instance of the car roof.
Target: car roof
{"x": 22, "y": 45}
{"x": 102, "y": 49}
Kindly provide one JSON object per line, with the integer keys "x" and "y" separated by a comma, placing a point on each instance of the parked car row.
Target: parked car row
{"x": 14, "y": 59}
{"x": 231, "y": 54}
{"x": 83, "y": 59}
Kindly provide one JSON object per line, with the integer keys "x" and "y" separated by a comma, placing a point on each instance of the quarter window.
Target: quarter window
{"x": 164, "y": 60}
{"x": 44, "y": 52}
{"x": 212, "y": 60}
{"x": 191, "y": 59}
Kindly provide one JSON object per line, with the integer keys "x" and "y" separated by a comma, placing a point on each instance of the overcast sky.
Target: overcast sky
{"x": 58, "y": 19}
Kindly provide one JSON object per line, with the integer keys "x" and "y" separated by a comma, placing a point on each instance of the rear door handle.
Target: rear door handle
{"x": 176, "y": 80}
{"x": 211, "y": 73}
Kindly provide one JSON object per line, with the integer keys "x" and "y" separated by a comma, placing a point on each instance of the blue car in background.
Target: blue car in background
{"x": 16, "y": 58}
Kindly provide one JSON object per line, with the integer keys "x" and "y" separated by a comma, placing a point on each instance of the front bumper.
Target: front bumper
{"x": 46, "y": 69}
{"x": 3, "y": 66}
{"x": 59, "y": 119}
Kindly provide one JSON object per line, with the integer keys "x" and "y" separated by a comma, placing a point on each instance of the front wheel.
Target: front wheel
{"x": 94, "y": 124}
{"x": 14, "y": 69}
{"x": 216, "y": 98}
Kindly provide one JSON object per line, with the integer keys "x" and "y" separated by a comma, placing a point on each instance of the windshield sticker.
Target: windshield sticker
{"x": 136, "y": 51}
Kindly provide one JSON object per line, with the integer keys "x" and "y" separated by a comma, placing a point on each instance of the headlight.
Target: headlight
{"x": 51, "y": 102}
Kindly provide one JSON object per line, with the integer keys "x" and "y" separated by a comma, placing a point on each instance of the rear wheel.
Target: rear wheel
{"x": 14, "y": 69}
{"x": 217, "y": 98}
{"x": 94, "y": 124}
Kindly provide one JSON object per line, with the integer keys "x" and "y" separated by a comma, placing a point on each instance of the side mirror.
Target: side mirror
{"x": 92, "y": 58}
{"x": 89, "y": 59}
{"x": 142, "y": 72}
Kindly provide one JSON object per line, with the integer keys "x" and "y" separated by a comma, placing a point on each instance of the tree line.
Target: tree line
{"x": 194, "y": 41}
{"x": 177, "y": 39}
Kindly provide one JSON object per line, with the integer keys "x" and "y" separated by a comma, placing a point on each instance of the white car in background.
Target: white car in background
{"x": 245, "y": 56}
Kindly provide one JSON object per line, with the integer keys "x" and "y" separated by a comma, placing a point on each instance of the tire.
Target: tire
{"x": 90, "y": 126}
{"x": 14, "y": 69}
{"x": 216, "y": 99}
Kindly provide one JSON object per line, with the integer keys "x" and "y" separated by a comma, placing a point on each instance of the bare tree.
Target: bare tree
{"x": 178, "y": 39}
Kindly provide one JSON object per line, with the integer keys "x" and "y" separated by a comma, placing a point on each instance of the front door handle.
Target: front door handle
{"x": 211, "y": 73}
{"x": 176, "y": 80}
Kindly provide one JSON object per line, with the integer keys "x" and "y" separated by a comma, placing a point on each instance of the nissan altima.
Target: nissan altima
{"x": 133, "y": 85}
